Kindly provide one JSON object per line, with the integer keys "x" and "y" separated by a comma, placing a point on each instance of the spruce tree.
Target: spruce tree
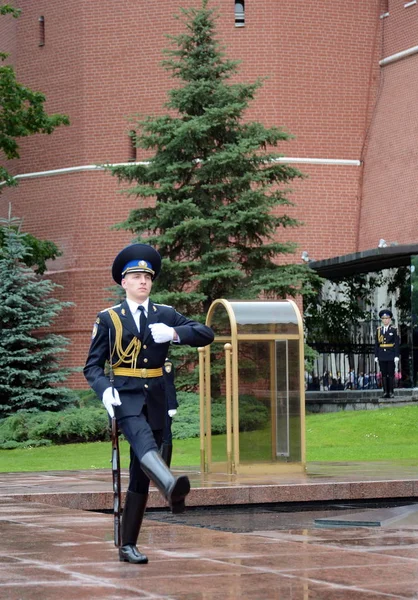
{"x": 39, "y": 252}
{"x": 30, "y": 371}
{"x": 212, "y": 194}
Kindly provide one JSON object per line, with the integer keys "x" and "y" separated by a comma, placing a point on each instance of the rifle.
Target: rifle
{"x": 115, "y": 460}
{"x": 116, "y": 483}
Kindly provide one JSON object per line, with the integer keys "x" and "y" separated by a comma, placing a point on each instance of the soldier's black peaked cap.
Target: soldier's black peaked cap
{"x": 134, "y": 259}
{"x": 386, "y": 313}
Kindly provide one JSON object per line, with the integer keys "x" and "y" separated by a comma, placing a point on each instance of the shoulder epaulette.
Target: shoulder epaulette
{"x": 110, "y": 308}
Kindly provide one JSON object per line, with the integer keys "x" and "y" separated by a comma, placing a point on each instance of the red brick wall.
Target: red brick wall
{"x": 101, "y": 66}
{"x": 390, "y": 188}
{"x": 399, "y": 28}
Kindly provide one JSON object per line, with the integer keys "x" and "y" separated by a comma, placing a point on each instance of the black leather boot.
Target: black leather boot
{"x": 384, "y": 387}
{"x": 166, "y": 453}
{"x": 174, "y": 489}
{"x": 133, "y": 513}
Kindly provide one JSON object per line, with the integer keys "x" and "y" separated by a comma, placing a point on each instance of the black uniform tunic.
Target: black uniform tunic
{"x": 387, "y": 349}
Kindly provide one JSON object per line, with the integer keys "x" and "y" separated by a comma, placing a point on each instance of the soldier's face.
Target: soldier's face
{"x": 137, "y": 286}
{"x": 386, "y": 321}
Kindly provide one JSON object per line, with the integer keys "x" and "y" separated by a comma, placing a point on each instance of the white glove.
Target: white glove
{"x": 110, "y": 399}
{"x": 172, "y": 412}
{"x": 396, "y": 360}
{"x": 162, "y": 333}
{"x": 376, "y": 359}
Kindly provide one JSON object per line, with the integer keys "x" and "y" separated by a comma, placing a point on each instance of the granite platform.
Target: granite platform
{"x": 55, "y": 546}
{"x": 92, "y": 489}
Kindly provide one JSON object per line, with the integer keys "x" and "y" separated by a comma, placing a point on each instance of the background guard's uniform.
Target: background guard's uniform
{"x": 386, "y": 350}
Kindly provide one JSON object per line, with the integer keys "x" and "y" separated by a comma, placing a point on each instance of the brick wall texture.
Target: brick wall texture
{"x": 101, "y": 64}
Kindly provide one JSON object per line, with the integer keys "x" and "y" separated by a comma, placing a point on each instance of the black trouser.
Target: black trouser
{"x": 387, "y": 368}
{"x": 141, "y": 439}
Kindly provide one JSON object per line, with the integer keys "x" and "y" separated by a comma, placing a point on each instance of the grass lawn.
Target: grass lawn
{"x": 387, "y": 433}
{"x": 364, "y": 435}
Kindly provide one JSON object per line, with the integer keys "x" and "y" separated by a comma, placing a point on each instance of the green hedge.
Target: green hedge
{"x": 253, "y": 415}
{"x": 69, "y": 426}
{"x": 88, "y": 422}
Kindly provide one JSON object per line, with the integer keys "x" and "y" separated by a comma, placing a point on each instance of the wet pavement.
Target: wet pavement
{"x": 251, "y": 551}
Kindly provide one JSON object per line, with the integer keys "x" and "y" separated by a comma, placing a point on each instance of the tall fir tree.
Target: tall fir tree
{"x": 30, "y": 371}
{"x": 212, "y": 193}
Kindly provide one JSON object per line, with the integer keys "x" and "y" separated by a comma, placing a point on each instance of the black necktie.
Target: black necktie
{"x": 142, "y": 322}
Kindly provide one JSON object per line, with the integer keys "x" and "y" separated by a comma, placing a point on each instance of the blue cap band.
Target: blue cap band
{"x": 137, "y": 266}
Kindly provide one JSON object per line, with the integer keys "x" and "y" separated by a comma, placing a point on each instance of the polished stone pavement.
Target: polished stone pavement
{"x": 259, "y": 549}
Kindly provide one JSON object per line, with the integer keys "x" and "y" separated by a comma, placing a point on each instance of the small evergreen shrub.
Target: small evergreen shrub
{"x": 73, "y": 426}
{"x": 186, "y": 423}
{"x": 69, "y": 426}
{"x": 87, "y": 398}
{"x": 89, "y": 422}
{"x": 27, "y": 444}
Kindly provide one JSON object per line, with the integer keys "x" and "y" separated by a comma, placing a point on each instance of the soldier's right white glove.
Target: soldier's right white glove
{"x": 110, "y": 399}
{"x": 376, "y": 359}
{"x": 172, "y": 412}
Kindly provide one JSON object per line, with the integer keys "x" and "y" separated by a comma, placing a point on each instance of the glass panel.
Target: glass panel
{"x": 288, "y": 415}
{"x": 295, "y": 441}
{"x": 218, "y": 403}
{"x": 400, "y": 286}
{"x": 282, "y": 400}
{"x": 255, "y": 400}
{"x": 414, "y": 320}
{"x": 265, "y": 317}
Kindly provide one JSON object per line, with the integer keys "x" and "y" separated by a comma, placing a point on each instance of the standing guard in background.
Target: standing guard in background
{"x": 134, "y": 338}
{"x": 172, "y": 405}
{"x": 386, "y": 351}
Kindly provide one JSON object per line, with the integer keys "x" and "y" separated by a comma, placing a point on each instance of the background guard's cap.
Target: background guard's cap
{"x": 134, "y": 259}
{"x": 386, "y": 313}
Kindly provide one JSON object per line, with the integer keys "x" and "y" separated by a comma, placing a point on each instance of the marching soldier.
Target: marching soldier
{"x": 134, "y": 338}
{"x": 387, "y": 351}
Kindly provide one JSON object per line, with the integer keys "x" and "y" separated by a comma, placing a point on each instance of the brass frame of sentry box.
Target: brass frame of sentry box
{"x": 232, "y": 465}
